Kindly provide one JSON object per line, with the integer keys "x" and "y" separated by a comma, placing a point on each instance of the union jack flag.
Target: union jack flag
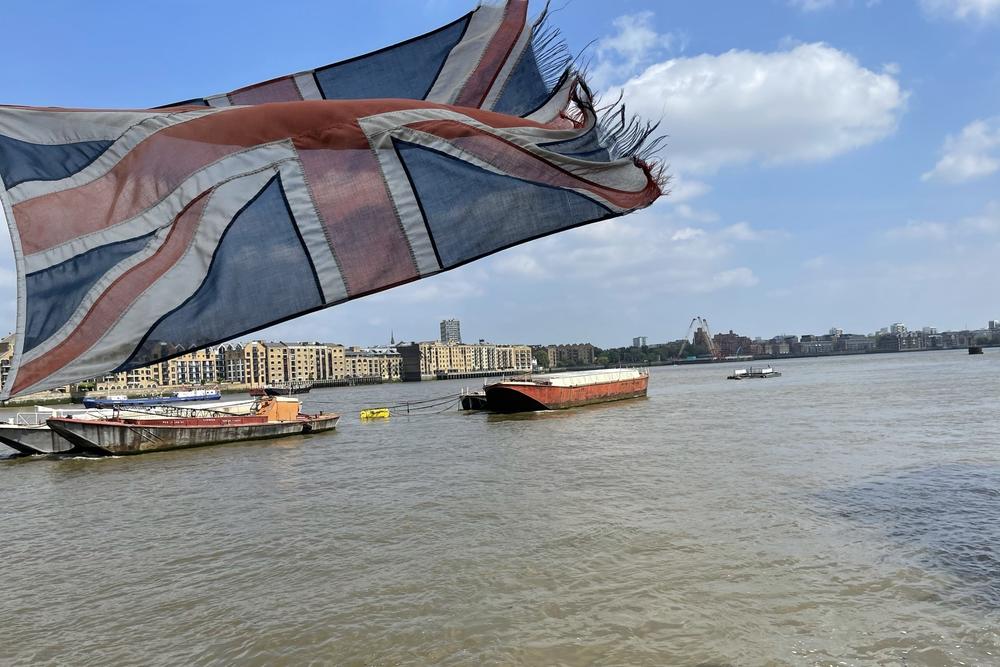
{"x": 137, "y": 234}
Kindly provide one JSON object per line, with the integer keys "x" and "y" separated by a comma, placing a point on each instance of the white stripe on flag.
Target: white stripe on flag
{"x": 129, "y": 135}
{"x": 164, "y": 211}
{"x": 313, "y": 231}
{"x": 465, "y": 56}
{"x": 508, "y": 66}
{"x": 219, "y": 101}
{"x": 306, "y": 84}
{"x": 170, "y": 291}
{"x": 403, "y": 199}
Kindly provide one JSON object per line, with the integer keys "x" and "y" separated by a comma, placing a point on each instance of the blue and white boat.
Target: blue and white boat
{"x": 164, "y": 399}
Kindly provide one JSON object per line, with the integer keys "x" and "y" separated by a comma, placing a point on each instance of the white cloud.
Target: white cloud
{"x": 653, "y": 251}
{"x": 519, "y": 264}
{"x": 684, "y": 189}
{"x": 974, "y": 228}
{"x": 979, "y": 10}
{"x": 816, "y": 263}
{"x": 686, "y": 234}
{"x": 812, "y": 5}
{"x": 435, "y": 289}
{"x": 807, "y": 103}
{"x": 739, "y": 277}
{"x": 635, "y": 44}
{"x": 616, "y": 230}
{"x": 818, "y": 5}
{"x": 742, "y": 231}
{"x": 987, "y": 223}
{"x": 920, "y": 231}
{"x": 974, "y": 153}
{"x": 8, "y": 277}
{"x": 688, "y": 212}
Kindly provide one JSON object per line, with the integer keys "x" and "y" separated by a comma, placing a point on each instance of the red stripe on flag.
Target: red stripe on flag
{"x": 117, "y": 298}
{"x": 278, "y": 90}
{"x": 154, "y": 168}
{"x": 361, "y": 222}
{"x": 516, "y": 161}
{"x": 481, "y": 80}
{"x": 143, "y": 177}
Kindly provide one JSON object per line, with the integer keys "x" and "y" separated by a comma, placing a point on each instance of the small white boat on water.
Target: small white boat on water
{"x": 751, "y": 372}
{"x": 182, "y": 396}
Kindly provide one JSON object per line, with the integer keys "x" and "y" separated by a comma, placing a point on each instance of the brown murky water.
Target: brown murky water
{"x": 847, "y": 513}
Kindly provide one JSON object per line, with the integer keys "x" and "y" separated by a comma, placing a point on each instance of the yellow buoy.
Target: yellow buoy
{"x": 375, "y": 413}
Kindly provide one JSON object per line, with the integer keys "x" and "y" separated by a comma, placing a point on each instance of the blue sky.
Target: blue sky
{"x": 835, "y": 162}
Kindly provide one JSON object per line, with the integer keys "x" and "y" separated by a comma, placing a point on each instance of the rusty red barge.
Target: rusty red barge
{"x": 275, "y": 418}
{"x": 565, "y": 390}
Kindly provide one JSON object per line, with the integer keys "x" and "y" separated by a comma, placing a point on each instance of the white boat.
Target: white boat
{"x": 751, "y": 372}
{"x": 182, "y": 396}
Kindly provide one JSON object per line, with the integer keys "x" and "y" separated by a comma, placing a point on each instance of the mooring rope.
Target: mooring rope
{"x": 422, "y": 412}
{"x": 412, "y": 406}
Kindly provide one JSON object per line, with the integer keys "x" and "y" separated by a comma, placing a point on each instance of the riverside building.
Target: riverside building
{"x": 575, "y": 354}
{"x": 254, "y": 363}
{"x": 433, "y": 360}
{"x": 732, "y": 344}
{"x": 379, "y": 364}
{"x": 451, "y": 331}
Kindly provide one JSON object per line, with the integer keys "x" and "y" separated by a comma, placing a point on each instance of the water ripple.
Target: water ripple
{"x": 840, "y": 515}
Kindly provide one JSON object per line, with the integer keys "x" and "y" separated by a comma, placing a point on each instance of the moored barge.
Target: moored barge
{"x": 557, "y": 391}
{"x": 473, "y": 399}
{"x": 31, "y": 440}
{"x": 288, "y": 388}
{"x": 276, "y": 418}
{"x": 30, "y": 435}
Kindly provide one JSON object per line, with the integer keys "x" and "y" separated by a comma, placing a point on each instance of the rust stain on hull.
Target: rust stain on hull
{"x": 115, "y": 438}
{"x": 523, "y": 397}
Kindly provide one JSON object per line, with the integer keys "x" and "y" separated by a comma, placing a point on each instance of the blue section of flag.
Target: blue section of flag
{"x": 472, "y": 212}
{"x": 587, "y": 146}
{"x": 196, "y": 102}
{"x": 407, "y": 70}
{"x": 56, "y": 292}
{"x": 22, "y": 161}
{"x": 525, "y": 90}
{"x": 260, "y": 273}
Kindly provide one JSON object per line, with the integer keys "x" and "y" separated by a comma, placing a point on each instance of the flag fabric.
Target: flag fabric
{"x": 144, "y": 234}
{"x": 492, "y": 58}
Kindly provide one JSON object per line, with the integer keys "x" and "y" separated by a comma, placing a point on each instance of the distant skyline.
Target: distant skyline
{"x": 652, "y": 340}
{"x": 828, "y": 170}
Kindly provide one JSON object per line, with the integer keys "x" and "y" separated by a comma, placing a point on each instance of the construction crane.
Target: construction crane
{"x": 702, "y": 323}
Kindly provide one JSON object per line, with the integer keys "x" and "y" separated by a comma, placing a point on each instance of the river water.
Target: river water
{"x": 847, "y": 513}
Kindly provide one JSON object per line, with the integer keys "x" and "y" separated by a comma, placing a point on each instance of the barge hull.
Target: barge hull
{"x": 105, "y": 438}
{"x": 524, "y": 397}
{"x": 270, "y": 391}
{"x": 32, "y": 440}
{"x": 474, "y": 401}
